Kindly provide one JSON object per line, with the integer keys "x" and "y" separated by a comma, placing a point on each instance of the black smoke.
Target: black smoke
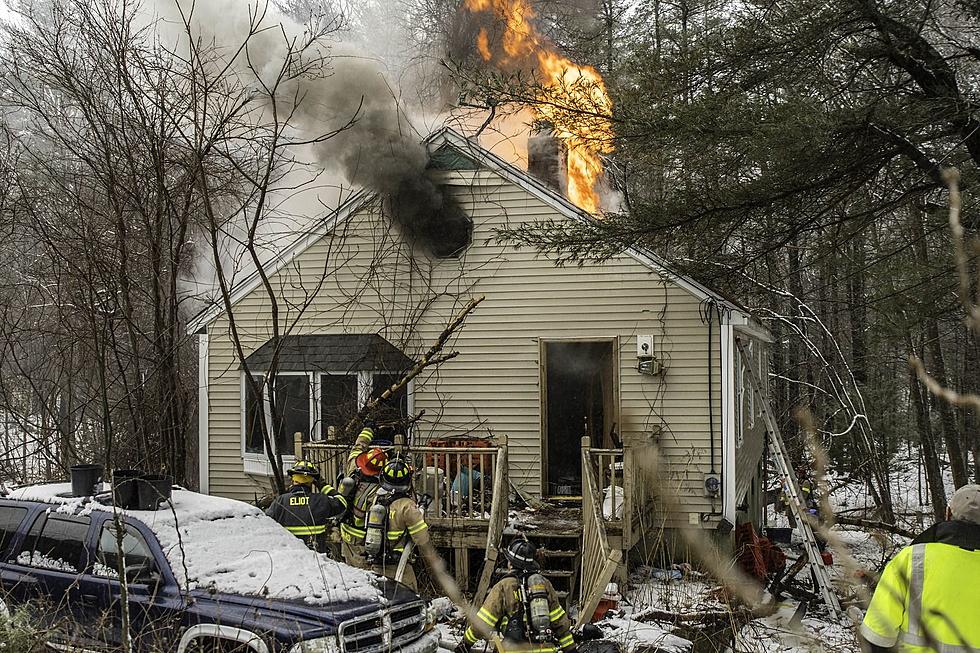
{"x": 430, "y": 217}
{"x": 379, "y": 150}
{"x": 375, "y": 147}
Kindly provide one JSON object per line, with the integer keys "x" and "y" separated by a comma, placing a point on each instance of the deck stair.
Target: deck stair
{"x": 559, "y": 558}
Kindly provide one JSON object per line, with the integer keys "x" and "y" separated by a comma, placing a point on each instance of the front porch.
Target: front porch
{"x": 582, "y": 541}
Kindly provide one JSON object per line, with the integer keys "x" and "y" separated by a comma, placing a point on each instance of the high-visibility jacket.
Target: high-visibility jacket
{"x": 503, "y": 604}
{"x": 928, "y": 597}
{"x": 352, "y": 528}
{"x": 306, "y": 513}
{"x": 405, "y": 521}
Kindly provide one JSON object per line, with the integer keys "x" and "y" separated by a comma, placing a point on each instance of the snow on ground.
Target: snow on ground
{"x": 634, "y": 636}
{"x": 671, "y": 591}
{"x": 871, "y": 550}
{"x": 910, "y": 494}
{"x": 778, "y": 632}
{"x": 230, "y": 546}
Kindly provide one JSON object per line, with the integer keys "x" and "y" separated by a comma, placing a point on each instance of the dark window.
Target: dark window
{"x": 10, "y": 519}
{"x": 293, "y": 410}
{"x": 55, "y": 542}
{"x": 338, "y": 401}
{"x": 253, "y": 419}
{"x": 394, "y": 407}
{"x": 137, "y": 560}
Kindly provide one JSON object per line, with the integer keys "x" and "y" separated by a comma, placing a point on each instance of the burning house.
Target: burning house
{"x": 608, "y": 396}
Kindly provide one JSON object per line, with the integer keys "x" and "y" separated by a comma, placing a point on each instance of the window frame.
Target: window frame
{"x": 7, "y": 549}
{"x": 257, "y": 463}
{"x": 47, "y": 514}
{"x": 130, "y": 527}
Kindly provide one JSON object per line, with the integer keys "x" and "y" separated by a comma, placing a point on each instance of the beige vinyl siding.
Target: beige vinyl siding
{"x": 373, "y": 285}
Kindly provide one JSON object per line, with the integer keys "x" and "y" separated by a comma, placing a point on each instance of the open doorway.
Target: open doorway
{"x": 580, "y": 398}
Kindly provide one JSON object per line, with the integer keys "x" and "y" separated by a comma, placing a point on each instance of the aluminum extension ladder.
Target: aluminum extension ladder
{"x": 791, "y": 486}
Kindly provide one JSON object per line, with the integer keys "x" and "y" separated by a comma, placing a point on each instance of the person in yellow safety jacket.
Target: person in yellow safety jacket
{"x": 521, "y": 614}
{"x": 303, "y": 510}
{"x": 364, "y": 464}
{"x": 928, "y": 597}
{"x": 404, "y": 522}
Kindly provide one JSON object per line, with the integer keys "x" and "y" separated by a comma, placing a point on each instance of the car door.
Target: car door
{"x": 153, "y": 603}
{"x": 53, "y": 554}
{"x": 15, "y": 584}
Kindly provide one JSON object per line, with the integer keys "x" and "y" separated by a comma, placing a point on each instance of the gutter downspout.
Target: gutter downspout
{"x": 202, "y": 413}
{"x": 728, "y": 417}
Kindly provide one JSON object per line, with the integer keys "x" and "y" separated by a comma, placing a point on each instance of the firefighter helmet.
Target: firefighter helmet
{"x": 521, "y": 554}
{"x": 372, "y": 461}
{"x": 304, "y": 468}
{"x": 396, "y": 476}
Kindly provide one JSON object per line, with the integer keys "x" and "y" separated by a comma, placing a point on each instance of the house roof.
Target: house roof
{"x": 340, "y": 352}
{"x": 483, "y": 157}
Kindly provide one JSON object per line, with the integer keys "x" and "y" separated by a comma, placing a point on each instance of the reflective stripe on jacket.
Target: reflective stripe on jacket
{"x": 405, "y": 521}
{"x": 305, "y": 513}
{"x": 352, "y": 530}
{"x": 503, "y": 603}
{"x": 927, "y": 597}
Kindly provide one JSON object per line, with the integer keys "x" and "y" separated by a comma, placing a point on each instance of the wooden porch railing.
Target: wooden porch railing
{"x": 604, "y": 474}
{"x": 469, "y": 486}
{"x": 462, "y": 481}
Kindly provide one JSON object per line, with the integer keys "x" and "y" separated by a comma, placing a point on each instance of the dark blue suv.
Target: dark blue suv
{"x": 201, "y": 574}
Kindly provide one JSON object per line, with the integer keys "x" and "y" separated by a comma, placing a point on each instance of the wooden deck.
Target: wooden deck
{"x": 583, "y": 543}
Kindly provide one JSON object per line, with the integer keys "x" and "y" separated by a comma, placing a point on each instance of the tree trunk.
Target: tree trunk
{"x": 794, "y": 351}
{"x": 934, "y": 475}
{"x": 971, "y": 384}
{"x": 951, "y": 435}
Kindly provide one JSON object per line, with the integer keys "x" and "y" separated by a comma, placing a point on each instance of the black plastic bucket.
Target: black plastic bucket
{"x": 780, "y": 535}
{"x": 84, "y": 479}
{"x": 153, "y": 488}
{"x": 125, "y": 489}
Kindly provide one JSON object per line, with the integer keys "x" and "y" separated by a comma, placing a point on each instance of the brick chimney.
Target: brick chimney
{"x": 546, "y": 158}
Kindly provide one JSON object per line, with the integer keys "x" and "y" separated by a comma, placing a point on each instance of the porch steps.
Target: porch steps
{"x": 559, "y": 557}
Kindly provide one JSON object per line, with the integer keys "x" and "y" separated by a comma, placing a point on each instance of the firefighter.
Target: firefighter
{"x": 364, "y": 465}
{"x": 927, "y": 597}
{"x": 362, "y": 443}
{"x": 393, "y": 521}
{"x": 521, "y": 613}
{"x": 305, "y": 511}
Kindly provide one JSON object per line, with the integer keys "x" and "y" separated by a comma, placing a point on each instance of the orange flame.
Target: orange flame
{"x": 572, "y": 98}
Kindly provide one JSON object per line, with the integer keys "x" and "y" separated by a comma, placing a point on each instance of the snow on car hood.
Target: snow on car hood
{"x": 231, "y": 547}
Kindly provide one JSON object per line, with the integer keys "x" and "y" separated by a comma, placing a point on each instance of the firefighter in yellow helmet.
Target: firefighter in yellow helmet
{"x": 393, "y": 521}
{"x": 522, "y": 613}
{"x": 928, "y": 596}
{"x": 303, "y": 510}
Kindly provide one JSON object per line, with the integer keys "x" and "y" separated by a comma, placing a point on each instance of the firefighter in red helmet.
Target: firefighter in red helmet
{"x": 364, "y": 465}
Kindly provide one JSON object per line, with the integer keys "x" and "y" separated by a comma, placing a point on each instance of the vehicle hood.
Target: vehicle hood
{"x": 295, "y": 618}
